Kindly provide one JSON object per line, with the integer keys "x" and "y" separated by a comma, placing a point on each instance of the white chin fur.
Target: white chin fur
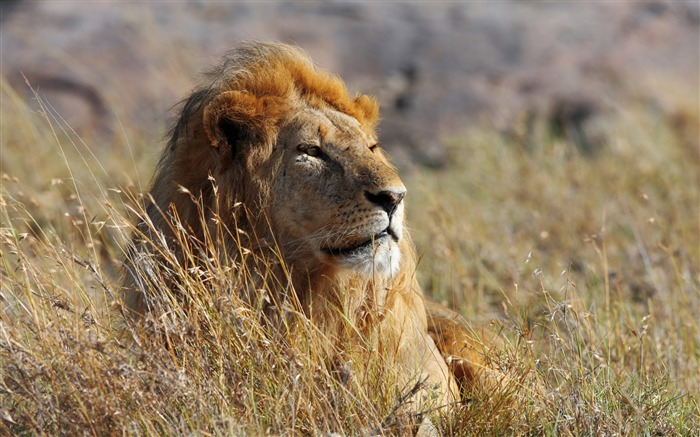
{"x": 383, "y": 259}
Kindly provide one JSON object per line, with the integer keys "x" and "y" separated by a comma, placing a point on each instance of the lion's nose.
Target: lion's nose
{"x": 388, "y": 200}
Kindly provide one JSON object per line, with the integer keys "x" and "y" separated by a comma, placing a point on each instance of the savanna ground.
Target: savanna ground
{"x": 587, "y": 265}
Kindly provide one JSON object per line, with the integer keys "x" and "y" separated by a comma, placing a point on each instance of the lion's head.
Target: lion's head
{"x": 286, "y": 140}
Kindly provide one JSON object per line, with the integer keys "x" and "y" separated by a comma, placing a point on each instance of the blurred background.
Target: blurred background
{"x": 438, "y": 67}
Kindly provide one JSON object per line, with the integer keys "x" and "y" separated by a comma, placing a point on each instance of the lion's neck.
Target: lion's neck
{"x": 345, "y": 297}
{"x": 346, "y": 302}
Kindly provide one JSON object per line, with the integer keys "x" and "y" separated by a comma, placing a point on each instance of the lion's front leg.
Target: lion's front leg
{"x": 466, "y": 351}
{"x": 424, "y": 368}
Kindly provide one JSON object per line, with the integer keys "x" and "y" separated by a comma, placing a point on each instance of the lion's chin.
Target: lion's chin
{"x": 382, "y": 257}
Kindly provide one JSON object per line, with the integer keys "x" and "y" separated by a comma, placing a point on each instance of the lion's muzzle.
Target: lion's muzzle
{"x": 378, "y": 251}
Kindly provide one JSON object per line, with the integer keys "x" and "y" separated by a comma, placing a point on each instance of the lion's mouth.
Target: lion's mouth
{"x": 354, "y": 249}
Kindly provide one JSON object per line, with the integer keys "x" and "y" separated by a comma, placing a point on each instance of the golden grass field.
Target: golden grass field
{"x": 587, "y": 266}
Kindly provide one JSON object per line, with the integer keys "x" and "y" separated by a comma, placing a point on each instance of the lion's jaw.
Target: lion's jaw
{"x": 380, "y": 254}
{"x": 346, "y": 203}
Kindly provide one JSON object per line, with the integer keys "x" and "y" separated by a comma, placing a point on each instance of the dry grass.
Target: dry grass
{"x": 589, "y": 267}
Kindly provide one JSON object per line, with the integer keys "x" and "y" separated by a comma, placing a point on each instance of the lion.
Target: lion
{"x": 285, "y": 139}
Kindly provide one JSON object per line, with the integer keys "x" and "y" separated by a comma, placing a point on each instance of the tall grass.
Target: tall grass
{"x": 591, "y": 263}
{"x": 588, "y": 267}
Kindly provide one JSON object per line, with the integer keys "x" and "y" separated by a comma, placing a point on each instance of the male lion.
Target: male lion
{"x": 278, "y": 149}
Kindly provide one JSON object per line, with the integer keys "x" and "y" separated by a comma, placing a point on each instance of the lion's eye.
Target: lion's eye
{"x": 374, "y": 147}
{"x": 310, "y": 150}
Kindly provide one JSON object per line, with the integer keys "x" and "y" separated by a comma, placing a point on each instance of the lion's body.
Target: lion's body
{"x": 284, "y": 139}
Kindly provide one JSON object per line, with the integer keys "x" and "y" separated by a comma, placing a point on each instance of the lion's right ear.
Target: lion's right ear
{"x": 234, "y": 119}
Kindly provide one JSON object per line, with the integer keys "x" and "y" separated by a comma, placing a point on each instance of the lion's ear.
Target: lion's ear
{"x": 368, "y": 113}
{"x": 234, "y": 119}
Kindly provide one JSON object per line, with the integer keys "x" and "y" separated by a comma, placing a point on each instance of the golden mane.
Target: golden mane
{"x": 268, "y": 69}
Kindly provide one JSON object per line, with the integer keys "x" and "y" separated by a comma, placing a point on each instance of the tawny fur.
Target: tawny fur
{"x": 248, "y": 131}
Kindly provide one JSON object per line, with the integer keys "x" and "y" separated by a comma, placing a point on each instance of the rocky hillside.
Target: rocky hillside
{"x": 437, "y": 67}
